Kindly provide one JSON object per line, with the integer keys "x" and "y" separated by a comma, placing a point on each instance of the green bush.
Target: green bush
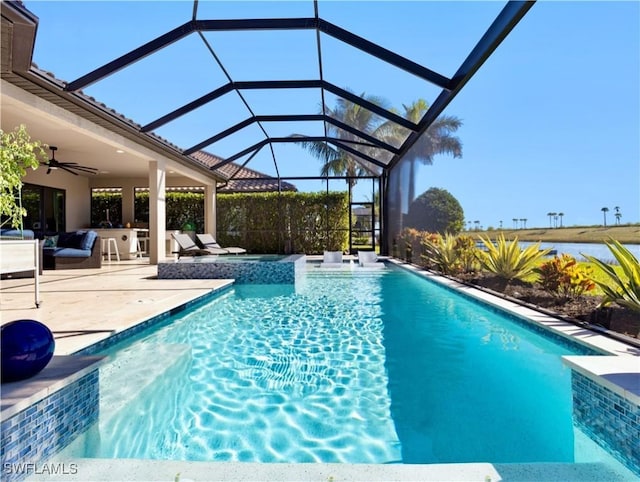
{"x": 289, "y": 221}
{"x": 564, "y": 277}
{"x": 260, "y": 222}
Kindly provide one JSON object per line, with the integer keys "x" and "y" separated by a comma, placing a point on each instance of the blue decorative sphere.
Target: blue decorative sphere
{"x": 27, "y": 347}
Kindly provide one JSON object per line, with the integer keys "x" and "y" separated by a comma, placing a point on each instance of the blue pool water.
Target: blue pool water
{"x": 375, "y": 367}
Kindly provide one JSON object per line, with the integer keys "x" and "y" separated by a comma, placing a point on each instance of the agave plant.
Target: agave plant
{"x": 441, "y": 253}
{"x": 507, "y": 260}
{"x": 623, "y": 289}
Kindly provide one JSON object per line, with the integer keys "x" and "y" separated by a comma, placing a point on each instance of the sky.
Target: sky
{"x": 551, "y": 121}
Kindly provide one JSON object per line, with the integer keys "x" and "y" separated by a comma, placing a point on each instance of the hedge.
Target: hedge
{"x": 287, "y": 222}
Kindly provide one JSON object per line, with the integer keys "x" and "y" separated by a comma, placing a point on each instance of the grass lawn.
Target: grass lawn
{"x": 584, "y": 234}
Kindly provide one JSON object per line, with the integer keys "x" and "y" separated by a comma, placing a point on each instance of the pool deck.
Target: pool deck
{"x": 82, "y": 307}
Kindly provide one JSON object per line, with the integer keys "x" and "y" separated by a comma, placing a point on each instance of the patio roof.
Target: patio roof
{"x": 259, "y": 132}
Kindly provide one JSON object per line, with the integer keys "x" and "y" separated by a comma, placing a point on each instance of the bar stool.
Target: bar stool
{"x": 106, "y": 248}
{"x": 141, "y": 248}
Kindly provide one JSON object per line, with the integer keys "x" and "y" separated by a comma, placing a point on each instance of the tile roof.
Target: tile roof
{"x": 244, "y": 179}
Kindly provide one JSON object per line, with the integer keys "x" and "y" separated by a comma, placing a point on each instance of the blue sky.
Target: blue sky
{"x": 551, "y": 122}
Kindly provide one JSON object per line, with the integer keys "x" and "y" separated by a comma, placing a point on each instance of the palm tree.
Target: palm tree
{"x": 438, "y": 139}
{"x": 605, "y": 210}
{"x": 337, "y": 161}
{"x": 618, "y": 214}
{"x": 515, "y": 222}
{"x": 560, "y": 216}
{"x": 550, "y": 216}
{"x": 524, "y": 222}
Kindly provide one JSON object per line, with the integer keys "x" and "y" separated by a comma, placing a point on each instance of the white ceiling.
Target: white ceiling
{"x": 75, "y": 143}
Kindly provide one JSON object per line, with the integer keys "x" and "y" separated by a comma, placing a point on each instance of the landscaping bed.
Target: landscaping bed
{"x": 583, "y": 308}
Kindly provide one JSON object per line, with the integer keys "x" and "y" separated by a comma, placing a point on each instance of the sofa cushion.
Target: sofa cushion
{"x": 69, "y": 252}
{"x": 16, "y": 233}
{"x": 88, "y": 239}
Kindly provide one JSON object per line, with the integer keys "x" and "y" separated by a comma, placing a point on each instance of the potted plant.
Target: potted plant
{"x": 17, "y": 154}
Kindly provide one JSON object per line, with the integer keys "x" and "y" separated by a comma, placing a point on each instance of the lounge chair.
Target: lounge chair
{"x": 369, "y": 259}
{"x": 207, "y": 241}
{"x": 332, "y": 259}
{"x": 186, "y": 247}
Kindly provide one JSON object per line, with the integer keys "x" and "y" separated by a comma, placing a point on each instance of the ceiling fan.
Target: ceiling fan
{"x": 71, "y": 167}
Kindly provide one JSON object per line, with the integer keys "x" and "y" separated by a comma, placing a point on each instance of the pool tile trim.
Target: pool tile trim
{"x": 149, "y": 322}
{"x": 44, "y": 414}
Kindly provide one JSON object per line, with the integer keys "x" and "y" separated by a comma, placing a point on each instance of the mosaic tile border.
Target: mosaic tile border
{"x": 153, "y": 321}
{"x": 34, "y": 434}
{"x": 281, "y": 271}
{"x": 607, "y": 418}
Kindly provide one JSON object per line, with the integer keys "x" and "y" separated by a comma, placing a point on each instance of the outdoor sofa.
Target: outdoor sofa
{"x": 71, "y": 250}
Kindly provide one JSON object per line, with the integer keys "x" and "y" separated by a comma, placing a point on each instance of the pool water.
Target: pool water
{"x": 362, "y": 367}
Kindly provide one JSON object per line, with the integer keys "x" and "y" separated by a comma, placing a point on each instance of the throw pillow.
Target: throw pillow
{"x": 88, "y": 240}
{"x": 50, "y": 241}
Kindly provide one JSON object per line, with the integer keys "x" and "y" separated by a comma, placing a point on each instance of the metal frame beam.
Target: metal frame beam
{"x": 506, "y": 20}
{"x": 291, "y": 118}
{"x": 131, "y": 57}
{"x": 279, "y": 84}
{"x": 280, "y": 140}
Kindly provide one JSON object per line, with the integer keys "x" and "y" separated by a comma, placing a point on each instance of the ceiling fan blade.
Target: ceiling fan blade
{"x": 68, "y": 170}
{"x": 90, "y": 170}
{"x": 48, "y": 170}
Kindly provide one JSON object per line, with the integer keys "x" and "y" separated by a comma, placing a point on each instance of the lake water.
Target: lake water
{"x": 598, "y": 250}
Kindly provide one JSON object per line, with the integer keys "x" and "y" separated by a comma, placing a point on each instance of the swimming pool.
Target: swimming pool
{"x": 356, "y": 367}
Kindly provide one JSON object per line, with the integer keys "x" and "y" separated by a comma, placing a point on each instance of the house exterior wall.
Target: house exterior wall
{"x": 77, "y": 194}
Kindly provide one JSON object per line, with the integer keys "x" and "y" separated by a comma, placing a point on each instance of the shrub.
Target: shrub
{"x": 408, "y": 245}
{"x": 440, "y": 253}
{"x": 622, "y": 289}
{"x": 436, "y": 210}
{"x": 563, "y": 277}
{"x": 467, "y": 253}
{"x": 507, "y": 260}
{"x": 450, "y": 254}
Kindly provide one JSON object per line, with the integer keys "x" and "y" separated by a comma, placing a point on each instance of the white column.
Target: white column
{"x": 157, "y": 211}
{"x": 210, "y": 209}
{"x": 128, "y": 208}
